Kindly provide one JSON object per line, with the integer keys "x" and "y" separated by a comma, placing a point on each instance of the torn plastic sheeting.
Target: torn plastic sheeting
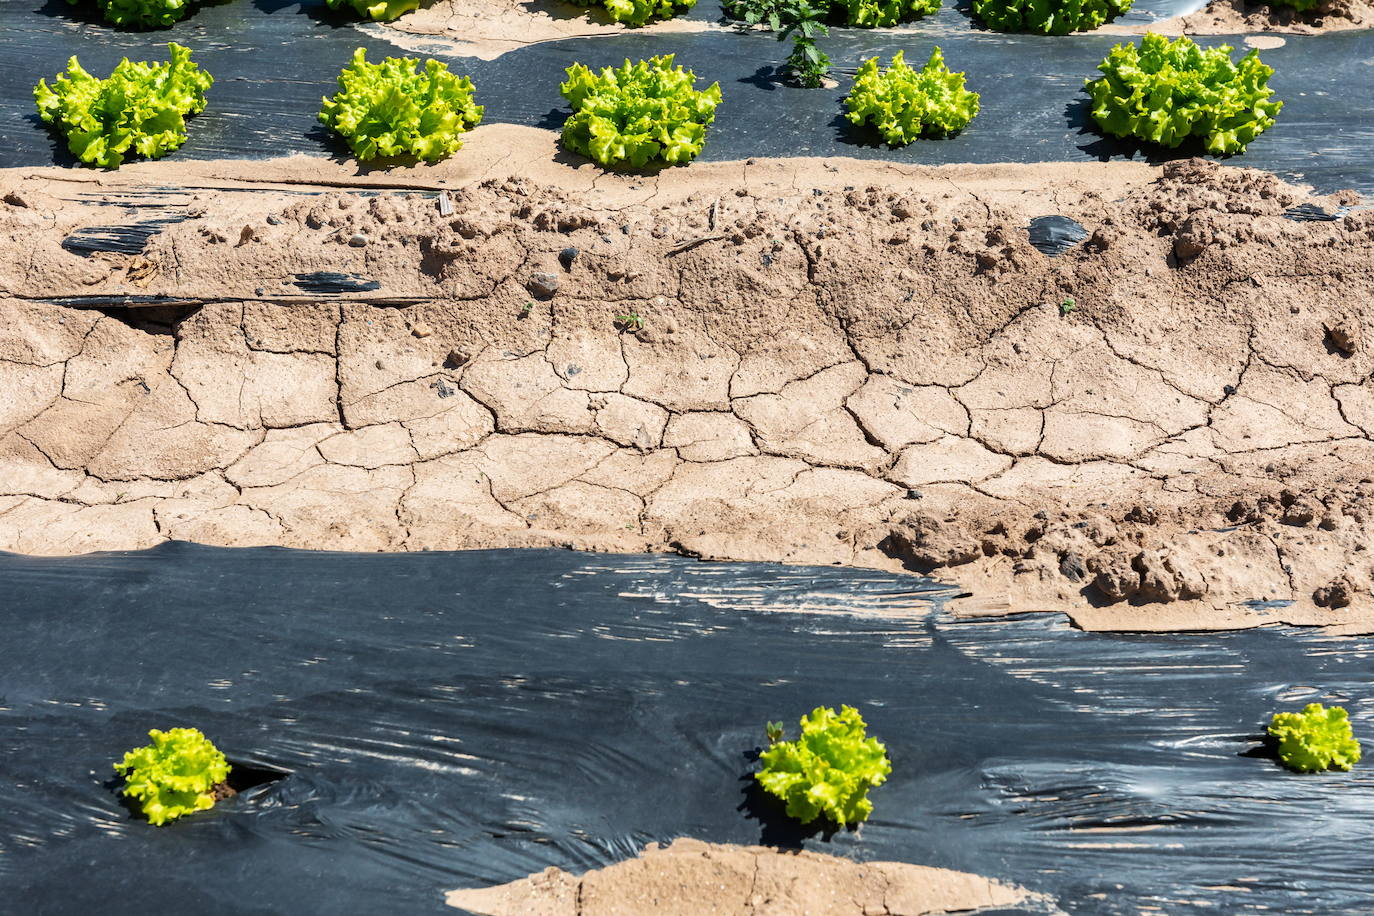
{"x": 1055, "y": 235}
{"x": 455, "y": 720}
{"x": 334, "y": 283}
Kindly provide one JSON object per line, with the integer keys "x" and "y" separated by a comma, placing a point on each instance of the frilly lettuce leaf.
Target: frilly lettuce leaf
{"x": 903, "y": 104}
{"x": 1166, "y": 91}
{"x": 141, "y": 107}
{"x": 142, "y": 14}
{"x": 1048, "y": 17}
{"x": 396, "y": 109}
{"x": 174, "y": 775}
{"x": 638, "y": 12}
{"x": 828, "y": 770}
{"x": 648, "y": 111}
{"x": 1315, "y": 739}
{"x": 881, "y": 14}
{"x": 376, "y": 10}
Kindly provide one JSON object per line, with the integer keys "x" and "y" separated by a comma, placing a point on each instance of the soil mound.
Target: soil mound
{"x": 819, "y": 361}
{"x": 1232, "y": 17}
{"x": 692, "y": 877}
{"x": 486, "y": 29}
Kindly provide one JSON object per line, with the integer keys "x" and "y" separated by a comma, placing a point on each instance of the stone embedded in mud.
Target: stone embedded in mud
{"x": 1343, "y": 337}
{"x": 928, "y": 544}
{"x": 1338, "y": 594}
{"x": 566, "y": 257}
{"x": 1072, "y": 567}
{"x": 542, "y": 285}
{"x": 1150, "y": 576}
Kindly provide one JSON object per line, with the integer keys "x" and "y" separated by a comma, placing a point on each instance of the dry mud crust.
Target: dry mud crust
{"x": 838, "y": 363}
{"x": 691, "y": 877}
{"x": 1232, "y": 17}
{"x": 486, "y": 29}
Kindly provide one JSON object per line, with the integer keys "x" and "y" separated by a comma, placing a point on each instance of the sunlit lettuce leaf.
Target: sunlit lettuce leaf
{"x": 141, "y": 108}
{"x": 638, "y": 12}
{"x": 903, "y": 104}
{"x": 881, "y": 14}
{"x": 397, "y": 108}
{"x": 174, "y": 775}
{"x": 642, "y": 112}
{"x": 1166, "y": 91}
{"x": 376, "y": 10}
{"x": 1315, "y": 739}
{"x": 828, "y": 770}
{"x": 1048, "y": 17}
{"x": 141, "y": 14}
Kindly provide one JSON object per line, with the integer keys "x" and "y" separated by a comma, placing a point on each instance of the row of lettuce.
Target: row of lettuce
{"x": 826, "y": 772}
{"x": 1045, "y": 17}
{"x": 650, "y": 112}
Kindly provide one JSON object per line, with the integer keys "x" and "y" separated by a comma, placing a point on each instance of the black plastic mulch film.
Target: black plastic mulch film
{"x": 273, "y": 60}
{"x": 459, "y": 720}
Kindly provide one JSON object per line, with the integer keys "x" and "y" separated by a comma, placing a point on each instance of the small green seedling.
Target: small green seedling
{"x": 828, "y": 770}
{"x": 630, "y": 321}
{"x": 1315, "y": 739}
{"x": 526, "y": 309}
{"x": 173, "y": 776}
{"x": 1068, "y": 305}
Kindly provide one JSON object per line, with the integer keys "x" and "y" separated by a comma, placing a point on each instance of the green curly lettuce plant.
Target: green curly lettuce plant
{"x": 1315, "y": 739}
{"x": 638, "y": 12}
{"x": 828, "y": 770}
{"x": 881, "y": 14}
{"x": 397, "y": 109}
{"x": 141, "y": 14}
{"x": 648, "y": 111}
{"x": 1166, "y": 91}
{"x": 903, "y": 103}
{"x": 376, "y": 10}
{"x": 173, "y": 776}
{"x": 867, "y": 14}
{"x": 1048, "y": 17}
{"x": 140, "y": 109}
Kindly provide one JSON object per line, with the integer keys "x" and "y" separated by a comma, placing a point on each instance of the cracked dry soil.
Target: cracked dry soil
{"x": 839, "y": 363}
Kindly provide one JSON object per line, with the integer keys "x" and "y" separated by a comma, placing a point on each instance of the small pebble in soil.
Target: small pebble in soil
{"x": 357, "y": 240}
{"x": 566, "y": 257}
{"x": 542, "y": 285}
{"x": 421, "y": 329}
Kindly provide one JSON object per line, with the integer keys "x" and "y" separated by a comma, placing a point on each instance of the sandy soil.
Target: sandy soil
{"x": 691, "y": 877}
{"x": 840, "y": 362}
{"x": 486, "y": 29}
{"x": 1237, "y": 17}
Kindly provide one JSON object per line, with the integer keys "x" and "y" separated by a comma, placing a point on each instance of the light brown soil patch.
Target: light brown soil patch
{"x": 691, "y": 877}
{"x": 1236, "y": 17}
{"x": 486, "y": 29}
{"x": 841, "y": 362}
